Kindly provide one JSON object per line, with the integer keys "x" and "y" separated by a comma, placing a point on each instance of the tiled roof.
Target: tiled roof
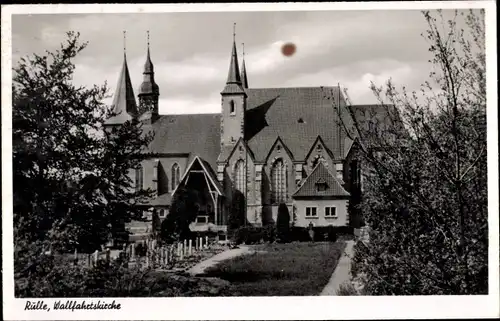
{"x": 377, "y": 121}
{"x": 197, "y": 134}
{"x": 274, "y": 112}
{"x": 124, "y": 103}
{"x": 320, "y": 174}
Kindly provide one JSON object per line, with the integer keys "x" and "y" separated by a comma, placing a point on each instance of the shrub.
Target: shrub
{"x": 347, "y": 289}
{"x": 283, "y": 223}
{"x": 251, "y": 235}
{"x": 270, "y": 233}
{"x": 299, "y": 234}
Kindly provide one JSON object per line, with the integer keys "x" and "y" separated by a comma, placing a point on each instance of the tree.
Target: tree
{"x": 183, "y": 211}
{"x": 236, "y": 217}
{"x": 425, "y": 192}
{"x": 71, "y": 183}
{"x": 283, "y": 223}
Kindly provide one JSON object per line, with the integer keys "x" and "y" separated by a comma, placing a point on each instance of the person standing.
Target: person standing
{"x": 311, "y": 231}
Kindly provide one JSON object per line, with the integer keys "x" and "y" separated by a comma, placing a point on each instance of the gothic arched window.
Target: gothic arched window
{"x": 239, "y": 176}
{"x": 139, "y": 178}
{"x": 278, "y": 182}
{"x": 176, "y": 175}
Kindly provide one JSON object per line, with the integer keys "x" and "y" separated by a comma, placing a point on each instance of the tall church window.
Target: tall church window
{"x": 278, "y": 181}
{"x": 239, "y": 176}
{"x": 176, "y": 175}
{"x": 231, "y": 107}
{"x": 139, "y": 178}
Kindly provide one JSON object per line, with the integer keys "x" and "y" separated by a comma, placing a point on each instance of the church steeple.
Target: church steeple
{"x": 233, "y": 101}
{"x": 233, "y": 83}
{"x": 124, "y": 104}
{"x": 244, "y": 80}
{"x": 149, "y": 90}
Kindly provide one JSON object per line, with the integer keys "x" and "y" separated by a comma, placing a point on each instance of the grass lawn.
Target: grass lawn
{"x": 280, "y": 269}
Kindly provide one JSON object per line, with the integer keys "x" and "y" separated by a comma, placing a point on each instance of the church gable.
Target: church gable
{"x": 279, "y": 149}
{"x": 318, "y": 153}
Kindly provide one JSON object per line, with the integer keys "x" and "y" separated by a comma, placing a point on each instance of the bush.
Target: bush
{"x": 321, "y": 233}
{"x": 251, "y": 235}
{"x": 299, "y": 234}
{"x": 347, "y": 289}
{"x": 270, "y": 233}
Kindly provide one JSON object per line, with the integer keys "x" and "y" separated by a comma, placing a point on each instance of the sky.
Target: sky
{"x": 191, "y": 51}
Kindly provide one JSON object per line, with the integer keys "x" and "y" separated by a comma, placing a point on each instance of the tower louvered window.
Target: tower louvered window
{"x": 176, "y": 175}
{"x": 278, "y": 181}
{"x": 239, "y": 176}
{"x": 139, "y": 178}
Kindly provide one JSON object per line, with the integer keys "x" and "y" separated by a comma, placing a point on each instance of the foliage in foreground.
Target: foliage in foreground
{"x": 71, "y": 177}
{"x": 71, "y": 181}
{"x": 50, "y": 277}
{"x": 280, "y": 269}
{"x": 425, "y": 196}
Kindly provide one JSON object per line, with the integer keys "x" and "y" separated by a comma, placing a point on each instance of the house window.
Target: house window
{"x": 330, "y": 211}
{"x": 139, "y": 178}
{"x": 311, "y": 212}
{"x": 163, "y": 213}
{"x": 279, "y": 182}
{"x": 231, "y": 108}
{"x": 239, "y": 176}
{"x": 176, "y": 173}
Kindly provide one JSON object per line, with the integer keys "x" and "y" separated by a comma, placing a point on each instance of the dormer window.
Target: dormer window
{"x": 300, "y": 121}
{"x": 319, "y": 148}
{"x": 232, "y": 110}
{"x": 321, "y": 186}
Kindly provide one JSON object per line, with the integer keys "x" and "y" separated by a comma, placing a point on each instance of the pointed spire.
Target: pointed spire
{"x": 148, "y": 85}
{"x": 244, "y": 80}
{"x": 124, "y": 103}
{"x": 148, "y": 66}
{"x": 233, "y": 76}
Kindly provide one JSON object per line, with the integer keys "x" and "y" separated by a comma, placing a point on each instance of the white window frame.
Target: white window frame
{"x": 315, "y": 210}
{"x": 329, "y": 215}
{"x": 163, "y": 213}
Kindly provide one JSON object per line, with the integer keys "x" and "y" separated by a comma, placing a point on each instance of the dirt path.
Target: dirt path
{"x": 226, "y": 255}
{"x": 341, "y": 273}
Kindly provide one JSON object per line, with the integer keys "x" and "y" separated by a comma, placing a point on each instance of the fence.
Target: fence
{"x": 155, "y": 255}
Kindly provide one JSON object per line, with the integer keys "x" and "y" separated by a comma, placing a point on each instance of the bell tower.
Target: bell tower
{"x": 149, "y": 92}
{"x": 233, "y": 102}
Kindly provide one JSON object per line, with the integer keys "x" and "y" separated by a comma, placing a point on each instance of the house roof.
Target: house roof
{"x": 320, "y": 174}
{"x": 205, "y": 166}
{"x": 376, "y": 120}
{"x": 197, "y": 134}
{"x": 274, "y": 112}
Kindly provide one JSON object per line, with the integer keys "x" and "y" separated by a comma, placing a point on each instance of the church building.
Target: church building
{"x": 267, "y": 146}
